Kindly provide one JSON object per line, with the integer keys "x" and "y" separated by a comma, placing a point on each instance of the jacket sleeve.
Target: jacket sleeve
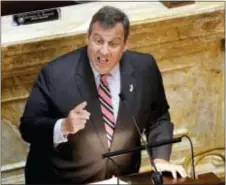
{"x": 159, "y": 124}
{"x": 37, "y": 122}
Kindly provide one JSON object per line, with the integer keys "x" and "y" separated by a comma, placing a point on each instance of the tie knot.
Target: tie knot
{"x": 104, "y": 77}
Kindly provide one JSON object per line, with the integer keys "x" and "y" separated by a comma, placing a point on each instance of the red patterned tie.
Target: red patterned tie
{"x": 106, "y": 107}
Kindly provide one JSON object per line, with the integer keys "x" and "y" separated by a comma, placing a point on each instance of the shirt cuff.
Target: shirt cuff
{"x": 58, "y": 136}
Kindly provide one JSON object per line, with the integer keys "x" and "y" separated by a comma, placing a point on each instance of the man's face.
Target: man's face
{"x": 106, "y": 46}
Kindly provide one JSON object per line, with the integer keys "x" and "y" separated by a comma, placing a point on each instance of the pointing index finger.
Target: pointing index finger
{"x": 80, "y": 107}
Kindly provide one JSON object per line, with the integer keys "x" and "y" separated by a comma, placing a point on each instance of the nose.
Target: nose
{"x": 104, "y": 50}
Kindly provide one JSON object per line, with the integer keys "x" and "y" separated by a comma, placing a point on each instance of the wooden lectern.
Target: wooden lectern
{"x": 145, "y": 178}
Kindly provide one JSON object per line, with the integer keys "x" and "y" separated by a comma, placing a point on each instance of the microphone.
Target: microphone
{"x": 149, "y": 146}
{"x": 157, "y": 176}
{"x": 122, "y": 97}
{"x": 163, "y": 142}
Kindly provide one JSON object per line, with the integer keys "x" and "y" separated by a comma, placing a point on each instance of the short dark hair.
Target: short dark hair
{"x": 108, "y": 17}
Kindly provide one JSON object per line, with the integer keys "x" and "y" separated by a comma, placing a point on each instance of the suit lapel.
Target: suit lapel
{"x": 128, "y": 90}
{"x": 88, "y": 91}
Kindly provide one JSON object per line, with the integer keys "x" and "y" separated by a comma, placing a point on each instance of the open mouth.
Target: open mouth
{"x": 102, "y": 61}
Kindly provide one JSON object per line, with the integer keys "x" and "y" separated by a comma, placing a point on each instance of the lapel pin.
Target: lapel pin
{"x": 131, "y": 88}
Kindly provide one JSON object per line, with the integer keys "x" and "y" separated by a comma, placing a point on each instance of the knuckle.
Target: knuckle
{"x": 73, "y": 130}
{"x": 75, "y": 127}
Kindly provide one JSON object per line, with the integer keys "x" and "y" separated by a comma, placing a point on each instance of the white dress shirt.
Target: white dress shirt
{"x": 114, "y": 83}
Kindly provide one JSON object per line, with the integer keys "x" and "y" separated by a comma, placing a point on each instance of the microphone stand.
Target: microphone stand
{"x": 117, "y": 168}
{"x": 156, "y": 175}
{"x": 139, "y": 148}
{"x": 192, "y": 155}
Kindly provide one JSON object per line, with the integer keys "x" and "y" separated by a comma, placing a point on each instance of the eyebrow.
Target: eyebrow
{"x": 116, "y": 38}
{"x": 96, "y": 34}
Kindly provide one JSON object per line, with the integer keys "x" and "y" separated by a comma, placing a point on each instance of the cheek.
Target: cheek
{"x": 92, "y": 50}
{"x": 117, "y": 54}
{"x": 96, "y": 48}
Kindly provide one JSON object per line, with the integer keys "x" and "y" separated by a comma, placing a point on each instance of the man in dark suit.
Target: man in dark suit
{"x": 82, "y": 104}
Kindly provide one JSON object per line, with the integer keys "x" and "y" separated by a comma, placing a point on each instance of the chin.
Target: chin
{"x": 102, "y": 70}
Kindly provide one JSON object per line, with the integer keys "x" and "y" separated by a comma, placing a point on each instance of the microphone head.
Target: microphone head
{"x": 122, "y": 97}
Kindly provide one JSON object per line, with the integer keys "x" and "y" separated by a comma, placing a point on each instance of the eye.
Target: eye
{"x": 99, "y": 41}
{"x": 114, "y": 43}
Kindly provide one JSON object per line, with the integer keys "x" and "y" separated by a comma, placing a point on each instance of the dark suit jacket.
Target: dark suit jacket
{"x": 68, "y": 81}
